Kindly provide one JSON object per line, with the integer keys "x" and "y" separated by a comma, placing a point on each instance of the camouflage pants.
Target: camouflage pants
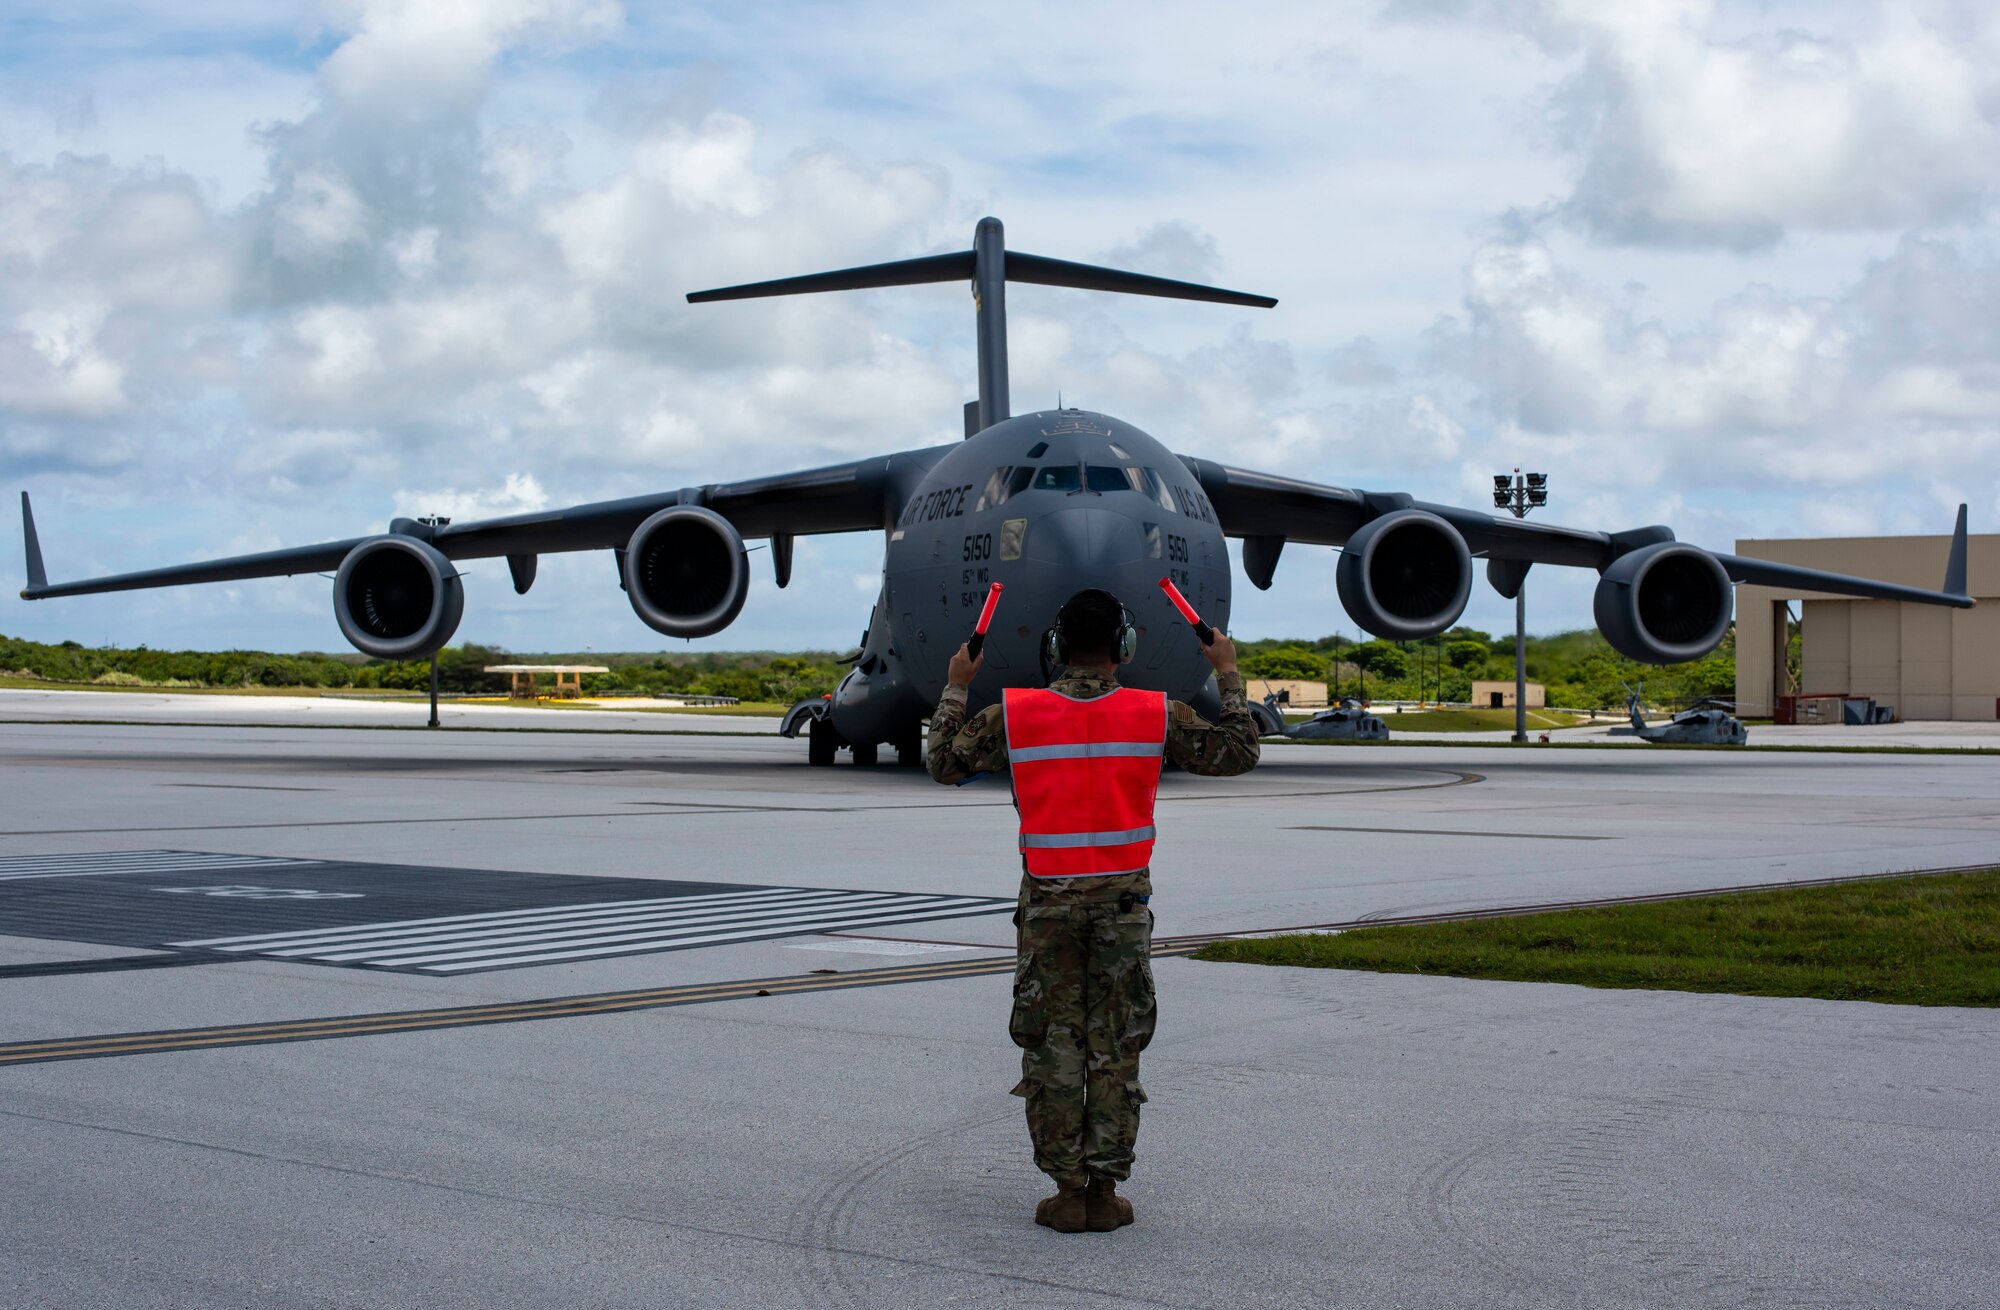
{"x": 1083, "y": 1010}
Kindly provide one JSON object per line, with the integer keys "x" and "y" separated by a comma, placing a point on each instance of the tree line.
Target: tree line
{"x": 1578, "y": 669}
{"x": 752, "y": 676}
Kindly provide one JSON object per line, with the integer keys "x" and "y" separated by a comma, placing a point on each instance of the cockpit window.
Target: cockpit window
{"x": 1059, "y": 477}
{"x": 1156, "y": 487}
{"x": 1007, "y": 482}
{"x": 994, "y": 493}
{"x": 1039, "y": 449}
{"x": 1105, "y": 477}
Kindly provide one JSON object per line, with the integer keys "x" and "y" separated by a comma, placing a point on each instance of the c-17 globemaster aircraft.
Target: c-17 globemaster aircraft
{"x": 1046, "y": 503}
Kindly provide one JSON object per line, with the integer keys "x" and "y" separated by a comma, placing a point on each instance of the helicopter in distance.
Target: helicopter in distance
{"x": 1046, "y": 503}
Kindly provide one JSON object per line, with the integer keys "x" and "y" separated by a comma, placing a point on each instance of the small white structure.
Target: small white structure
{"x": 568, "y": 679}
{"x": 1500, "y": 696}
{"x": 1289, "y": 691}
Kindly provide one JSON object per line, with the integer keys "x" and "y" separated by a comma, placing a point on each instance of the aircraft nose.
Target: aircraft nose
{"x": 1086, "y": 539}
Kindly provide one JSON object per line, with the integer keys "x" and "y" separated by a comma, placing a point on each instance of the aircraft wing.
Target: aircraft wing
{"x": 853, "y": 497}
{"x": 1267, "y": 510}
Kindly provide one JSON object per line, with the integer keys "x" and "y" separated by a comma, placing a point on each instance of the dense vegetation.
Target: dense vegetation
{"x": 1579, "y": 670}
{"x": 750, "y": 677}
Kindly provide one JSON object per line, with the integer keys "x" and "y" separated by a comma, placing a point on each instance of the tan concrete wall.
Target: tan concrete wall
{"x": 1975, "y": 662}
{"x": 1303, "y": 693}
{"x": 1927, "y": 661}
{"x": 1482, "y": 695}
{"x": 1826, "y": 662}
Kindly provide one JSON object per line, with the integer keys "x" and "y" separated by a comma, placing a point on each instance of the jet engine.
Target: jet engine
{"x": 1664, "y": 604}
{"x": 686, "y": 572}
{"x": 397, "y": 598}
{"x": 1405, "y": 575}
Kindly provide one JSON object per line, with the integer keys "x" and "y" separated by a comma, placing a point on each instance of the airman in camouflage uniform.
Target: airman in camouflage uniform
{"x": 1083, "y": 981}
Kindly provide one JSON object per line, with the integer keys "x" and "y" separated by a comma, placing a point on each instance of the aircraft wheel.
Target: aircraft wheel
{"x": 820, "y": 743}
{"x": 865, "y": 755}
{"x": 910, "y": 753}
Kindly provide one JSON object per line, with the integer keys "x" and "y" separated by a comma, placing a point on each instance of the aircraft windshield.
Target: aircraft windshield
{"x": 1093, "y": 477}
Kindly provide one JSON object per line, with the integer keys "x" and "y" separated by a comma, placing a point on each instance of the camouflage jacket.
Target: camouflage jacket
{"x": 960, "y": 748}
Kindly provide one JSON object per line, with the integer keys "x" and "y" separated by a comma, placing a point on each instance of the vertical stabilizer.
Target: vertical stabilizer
{"x": 989, "y": 301}
{"x": 38, "y": 576}
{"x": 1954, "y": 563}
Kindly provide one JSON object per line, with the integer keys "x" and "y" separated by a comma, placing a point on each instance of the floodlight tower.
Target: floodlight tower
{"x": 1518, "y": 494}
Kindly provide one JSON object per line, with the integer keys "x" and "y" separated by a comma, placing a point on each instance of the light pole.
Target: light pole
{"x": 434, "y": 522}
{"x": 1518, "y": 494}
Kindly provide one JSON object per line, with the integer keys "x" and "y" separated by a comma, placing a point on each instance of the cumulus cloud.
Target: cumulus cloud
{"x": 1767, "y": 385}
{"x": 1172, "y": 249}
{"x": 1686, "y": 130}
{"x": 409, "y": 61}
{"x": 520, "y": 493}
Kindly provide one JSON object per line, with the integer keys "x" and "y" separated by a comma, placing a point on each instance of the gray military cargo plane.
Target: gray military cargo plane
{"x": 1046, "y": 503}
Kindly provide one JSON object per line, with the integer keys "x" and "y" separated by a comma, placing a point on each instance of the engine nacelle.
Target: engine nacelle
{"x": 686, "y": 572}
{"x": 397, "y": 598}
{"x": 1664, "y": 604}
{"x": 1405, "y": 575}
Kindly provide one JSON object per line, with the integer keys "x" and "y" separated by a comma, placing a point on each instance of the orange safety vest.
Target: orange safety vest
{"x": 1085, "y": 774}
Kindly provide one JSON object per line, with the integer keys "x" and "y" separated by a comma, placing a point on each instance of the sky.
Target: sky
{"x": 272, "y": 274}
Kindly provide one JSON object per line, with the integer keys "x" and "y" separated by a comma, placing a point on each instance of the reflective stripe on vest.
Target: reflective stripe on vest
{"x": 1085, "y": 774}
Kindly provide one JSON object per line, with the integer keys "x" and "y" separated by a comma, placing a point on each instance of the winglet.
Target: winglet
{"x": 1954, "y": 565}
{"x": 38, "y": 576}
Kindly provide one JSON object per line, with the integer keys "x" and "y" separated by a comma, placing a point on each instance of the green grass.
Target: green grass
{"x": 1927, "y": 940}
{"x": 12, "y": 683}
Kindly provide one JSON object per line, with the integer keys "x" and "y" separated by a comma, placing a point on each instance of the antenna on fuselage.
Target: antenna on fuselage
{"x": 990, "y": 266}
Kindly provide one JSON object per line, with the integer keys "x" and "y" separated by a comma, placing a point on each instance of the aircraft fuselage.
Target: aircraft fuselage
{"x": 1046, "y": 504}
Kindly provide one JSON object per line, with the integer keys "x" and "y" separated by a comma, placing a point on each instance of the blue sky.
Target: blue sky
{"x": 272, "y": 274}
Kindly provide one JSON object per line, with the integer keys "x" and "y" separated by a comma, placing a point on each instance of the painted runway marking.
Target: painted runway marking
{"x": 561, "y": 1007}
{"x": 1451, "y": 832}
{"x": 20, "y": 868}
{"x": 464, "y": 943}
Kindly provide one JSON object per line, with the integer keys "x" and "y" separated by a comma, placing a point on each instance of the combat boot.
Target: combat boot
{"x": 1064, "y": 1211}
{"x": 1104, "y": 1210}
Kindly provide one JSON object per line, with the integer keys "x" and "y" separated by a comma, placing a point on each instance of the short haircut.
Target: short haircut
{"x": 1090, "y": 621}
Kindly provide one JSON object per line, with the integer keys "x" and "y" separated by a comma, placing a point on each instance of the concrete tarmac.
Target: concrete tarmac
{"x": 1312, "y": 1138}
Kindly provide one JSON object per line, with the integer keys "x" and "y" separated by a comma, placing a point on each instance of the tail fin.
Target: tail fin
{"x": 1954, "y": 564}
{"x": 38, "y": 576}
{"x": 990, "y": 267}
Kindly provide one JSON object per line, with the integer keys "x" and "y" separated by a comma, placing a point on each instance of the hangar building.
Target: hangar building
{"x": 1928, "y": 661}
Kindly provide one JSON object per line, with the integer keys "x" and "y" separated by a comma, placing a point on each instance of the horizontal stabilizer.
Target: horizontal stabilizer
{"x": 902, "y": 273}
{"x": 1089, "y": 277}
{"x": 38, "y": 576}
{"x": 961, "y": 267}
{"x": 1954, "y": 563}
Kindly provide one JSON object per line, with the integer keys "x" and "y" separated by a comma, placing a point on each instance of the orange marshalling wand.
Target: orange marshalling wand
{"x": 978, "y": 641}
{"x": 1201, "y": 630}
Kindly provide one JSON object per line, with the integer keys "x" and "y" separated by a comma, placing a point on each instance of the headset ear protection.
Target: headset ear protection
{"x": 1055, "y": 646}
